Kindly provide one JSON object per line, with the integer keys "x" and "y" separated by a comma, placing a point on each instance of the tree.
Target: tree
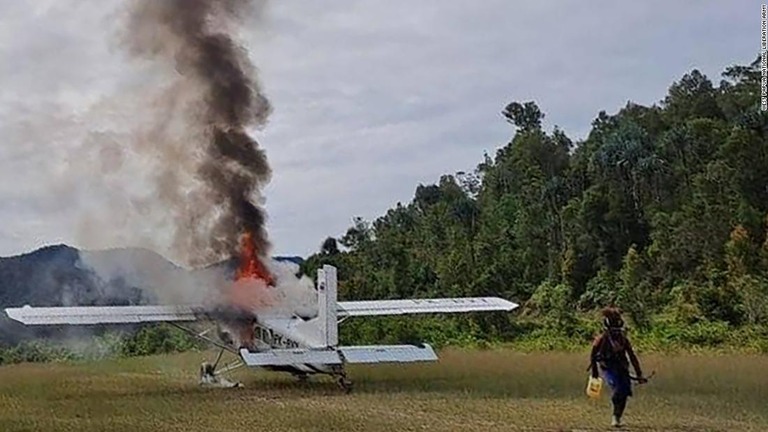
{"x": 553, "y": 304}
{"x": 740, "y": 93}
{"x": 358, "y": 235}
{"x": 633, "y": 294}
{"x": 738, "y": 253}
{"x": 692, "y": 97}
{"x": 527, "y": 117}
{"x": 329, "y": 247}
{"x": 753, "y": 294}
{"x": 764, "y": 250}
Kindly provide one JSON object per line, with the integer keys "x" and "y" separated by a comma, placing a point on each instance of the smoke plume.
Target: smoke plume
{"x": 208, "y": 170}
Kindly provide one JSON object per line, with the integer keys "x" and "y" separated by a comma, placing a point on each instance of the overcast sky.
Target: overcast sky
{"x": 370, "y": 99}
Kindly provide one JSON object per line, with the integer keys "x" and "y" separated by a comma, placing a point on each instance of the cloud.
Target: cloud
{"x": 370, "y": 98}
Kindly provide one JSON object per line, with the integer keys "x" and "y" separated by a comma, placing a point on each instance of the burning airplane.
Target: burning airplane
{"x": 297, "y": 344}
{"x": 215, "y": 96}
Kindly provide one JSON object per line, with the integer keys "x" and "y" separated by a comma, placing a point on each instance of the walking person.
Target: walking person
{"x": 612, "y": 352}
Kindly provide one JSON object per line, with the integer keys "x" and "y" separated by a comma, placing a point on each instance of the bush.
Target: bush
{"x": 151, "y": 339}
{"x": 34, "y": 352}
{"x": 601, "y": 290}
{"x": 438, "y": 331}
{"x": 667, "y": 333}
{"x": 753, "y": 292}
{"x": 553, "y": 305}
{"x": 158, "y": 339}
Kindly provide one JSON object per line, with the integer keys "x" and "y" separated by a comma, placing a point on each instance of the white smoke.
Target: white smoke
{"x": 159, "y": 280}
{"x": 294, "y": 295}
{"x": 162, "y": 282}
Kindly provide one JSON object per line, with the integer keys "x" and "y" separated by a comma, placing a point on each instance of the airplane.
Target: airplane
{"x": 295, "y": 343}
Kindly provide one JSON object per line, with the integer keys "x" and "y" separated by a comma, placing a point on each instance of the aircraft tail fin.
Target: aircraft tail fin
{"x": 327, "y": 296}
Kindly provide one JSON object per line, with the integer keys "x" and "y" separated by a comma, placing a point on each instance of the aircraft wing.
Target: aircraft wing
{"x": 89, "y": 315}
{"x": 423, "y": 306}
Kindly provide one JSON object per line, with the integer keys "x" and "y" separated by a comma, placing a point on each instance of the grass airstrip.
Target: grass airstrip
{"x": 493, "y": 390}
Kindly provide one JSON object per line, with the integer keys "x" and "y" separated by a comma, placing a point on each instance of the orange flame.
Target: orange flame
{"x": 249, "y": 292}
{"x": 251, "y": 266}
{"x": 250, "y": 289}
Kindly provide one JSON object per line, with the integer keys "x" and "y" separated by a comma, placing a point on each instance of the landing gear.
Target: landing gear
{"x": 344, "y": 383}
{"x": 211, "y": 378}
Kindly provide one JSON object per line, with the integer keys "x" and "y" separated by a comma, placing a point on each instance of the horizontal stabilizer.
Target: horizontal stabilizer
{"x": 286, "y": 357}
{"x": 89, "y": 315}
{"x": 424, "y": 306}
{"x": 351, "y": 354}
{"x": 388, "y": 353}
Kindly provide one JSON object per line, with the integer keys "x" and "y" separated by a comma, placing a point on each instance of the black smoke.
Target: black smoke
{"x": 197, "y": 37}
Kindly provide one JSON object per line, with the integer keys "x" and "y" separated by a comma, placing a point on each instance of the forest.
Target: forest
{"x": 661, "y": 211}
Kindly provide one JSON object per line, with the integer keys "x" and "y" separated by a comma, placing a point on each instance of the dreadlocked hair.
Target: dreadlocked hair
{"x": 612, "y": 318}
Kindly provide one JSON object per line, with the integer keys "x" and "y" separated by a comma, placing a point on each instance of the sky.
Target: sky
{"x": 370, "y": 99}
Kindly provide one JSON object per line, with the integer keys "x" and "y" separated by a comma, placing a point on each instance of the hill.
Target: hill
{"x": 60, "y": 275}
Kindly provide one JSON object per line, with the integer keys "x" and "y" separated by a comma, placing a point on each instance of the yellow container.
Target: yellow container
{"x": 594, "y": 387}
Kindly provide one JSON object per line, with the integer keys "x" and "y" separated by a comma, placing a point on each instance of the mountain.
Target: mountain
{"x": 61, "y": 275}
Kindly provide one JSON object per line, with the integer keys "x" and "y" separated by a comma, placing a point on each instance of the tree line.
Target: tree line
{"x": 661, "y": 210}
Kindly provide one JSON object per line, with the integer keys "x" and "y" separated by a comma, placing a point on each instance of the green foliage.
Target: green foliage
{"x": 525, "y": 116}
{"x": 667, "y": 334}
{"x": 660, "y": 211}
{"x": 764, "y": 251}
{"x": 552, "y": 304}
{"x": 152, "y": 339}
{"x": 35, "y": 351}
{"x": 438, "y": 331}
{"x": 601, "y": 290}
{"x": 753, "y": 295}
{"x": 683, "y": 305}
{"x": 634, "y": 292}
{"x": 159, "y": 339}
{"x": 739, "y": 253}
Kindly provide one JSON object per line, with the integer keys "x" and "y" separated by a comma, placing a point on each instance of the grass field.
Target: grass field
{"x": 466, "y": 390}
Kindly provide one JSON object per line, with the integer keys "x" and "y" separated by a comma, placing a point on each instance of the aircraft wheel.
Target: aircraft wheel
{"x": 206, "y": 369}
{"x": 345, "y": 384}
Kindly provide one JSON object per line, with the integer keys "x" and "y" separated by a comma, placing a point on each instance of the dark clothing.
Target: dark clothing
{"x": 610, "y": 350}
